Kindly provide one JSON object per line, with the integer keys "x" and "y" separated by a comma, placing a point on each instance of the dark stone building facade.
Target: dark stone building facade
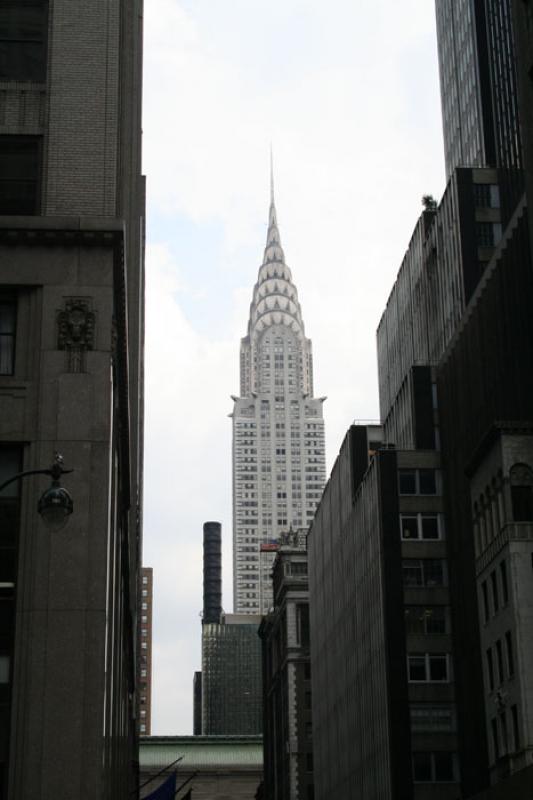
{"x": 382, "y": 666}
{"x": 287, "y": 700}
{"x": 71, "y": 380}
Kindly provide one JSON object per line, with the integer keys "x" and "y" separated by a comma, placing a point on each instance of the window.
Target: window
{"x": 19, "y": 174}
{"x": 503, "y": 577}
{"x": 509, "y": 650}
{"x": 490, "y": 669}
{"x": 499, "y": 660}
{"x": 145, "y": 579}
{"x": 302, "y": 623}
{"x": 424, "y": 572}
{"x": 420, "y": 526}
{"x": 485, "y": 595}
{"x": 23, "y": 27}
{"x": 8, "y": 314}
{"x": 407, "y": 481}
{"x": 521, "y": 476}
{"x": 486, "y": 195}
{"x": 438, "y": 767}
{"x": 4, "y": 669}
{"x": 428, "y": 667}
{"x": 299, "y": 568}
{"x": 516, "y": 733}
{"x": 417, "y": 481}
{"x": 495, "y": 596}
{"x": 426, "y": 620}
{"x": 488, "y": 234}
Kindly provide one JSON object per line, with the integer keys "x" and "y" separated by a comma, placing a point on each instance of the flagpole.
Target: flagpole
{"x": 185, "y": 783}
{"x": 159, "y": 773}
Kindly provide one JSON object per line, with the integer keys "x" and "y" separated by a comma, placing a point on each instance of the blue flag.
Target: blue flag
{"x": 166, "y": 791}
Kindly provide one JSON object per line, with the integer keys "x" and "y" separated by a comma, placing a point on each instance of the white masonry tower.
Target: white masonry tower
{"x": 278, "y": 430}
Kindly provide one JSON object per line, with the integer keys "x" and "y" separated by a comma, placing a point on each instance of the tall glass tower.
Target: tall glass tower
{"x": 278, "y": 429}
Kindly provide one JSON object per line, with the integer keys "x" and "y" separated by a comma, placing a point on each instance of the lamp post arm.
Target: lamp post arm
{"x": 25, "y": 474}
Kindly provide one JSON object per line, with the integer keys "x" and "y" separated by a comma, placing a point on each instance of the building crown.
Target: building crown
{"x": 275, "y": 298}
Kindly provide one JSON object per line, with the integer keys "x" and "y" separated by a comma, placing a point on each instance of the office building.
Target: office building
{"x": 478, "y": 84}
{"x": 227, "y": 691}
{"x": 71, "y": 380}
{"x": 146, "y": 595}
{"x": 278, "y": 429}
{"x": 448, "y": 253}
{"x": 382, "y": 662}
{"x": 231, "y": 676}
{"x": 287, "y": 728}
{"x": 197, "y": 704}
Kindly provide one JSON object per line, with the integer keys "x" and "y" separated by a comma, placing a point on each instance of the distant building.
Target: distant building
{"x": 231, "y": 677}
{"x": 278, "y": 429}
{"x": 215, "y": 767}
{"x": 197, "y": 704}
{"x": 439, "y": 273}
{"x": 287, "y": 730}
{"x": 478, "y": 84}
{"x": 382, "y": 663}
{"x": 145, "y": 651}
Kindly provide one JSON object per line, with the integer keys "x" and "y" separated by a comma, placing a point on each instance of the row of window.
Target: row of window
{"x": 417, "y": 481}
{"x": 435, "y": 767}
{"x": 23, "y": 34}
{"x": 495, "y": 591}
{"x": 427, "y": 620}
{"x": 422, "y": 526}
{"x": 428, "y": 668}
{"x": 424, "y": 572}
{"x": 501, "y": 743}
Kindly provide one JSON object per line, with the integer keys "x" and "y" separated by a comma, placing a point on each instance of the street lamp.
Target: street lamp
{"x": 55, "y": 504}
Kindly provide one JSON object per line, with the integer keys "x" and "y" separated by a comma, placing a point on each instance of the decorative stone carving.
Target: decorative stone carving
{"x": 521, "y": 475}
{"x": 75, "y": 332}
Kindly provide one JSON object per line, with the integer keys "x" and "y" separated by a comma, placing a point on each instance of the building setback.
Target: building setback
{"x": 71, "y": 380}
{"x": 278, "y": 429}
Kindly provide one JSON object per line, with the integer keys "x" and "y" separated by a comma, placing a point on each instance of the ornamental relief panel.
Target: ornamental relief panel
{"x": 75, "y": 332}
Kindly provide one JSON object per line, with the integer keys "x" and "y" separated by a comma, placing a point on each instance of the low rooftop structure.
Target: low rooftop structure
{"x": 222, "y": 766}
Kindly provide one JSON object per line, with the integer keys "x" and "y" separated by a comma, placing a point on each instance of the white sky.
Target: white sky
{"x": 347, "y": 92}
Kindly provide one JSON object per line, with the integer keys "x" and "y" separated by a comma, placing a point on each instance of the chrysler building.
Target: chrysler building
{"x": 278, "y": 430}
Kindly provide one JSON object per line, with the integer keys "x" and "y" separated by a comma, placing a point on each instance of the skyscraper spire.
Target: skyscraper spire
{"x": 278, "y": 429}
{"x": 273, "y": 233}
{"x": 271, "y": 176}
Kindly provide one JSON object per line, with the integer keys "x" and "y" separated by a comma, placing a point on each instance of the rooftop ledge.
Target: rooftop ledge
{"x": 29, "y": 230}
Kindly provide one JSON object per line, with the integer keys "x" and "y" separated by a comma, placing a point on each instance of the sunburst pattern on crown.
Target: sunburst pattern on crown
{"x": 275, "y": 299}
